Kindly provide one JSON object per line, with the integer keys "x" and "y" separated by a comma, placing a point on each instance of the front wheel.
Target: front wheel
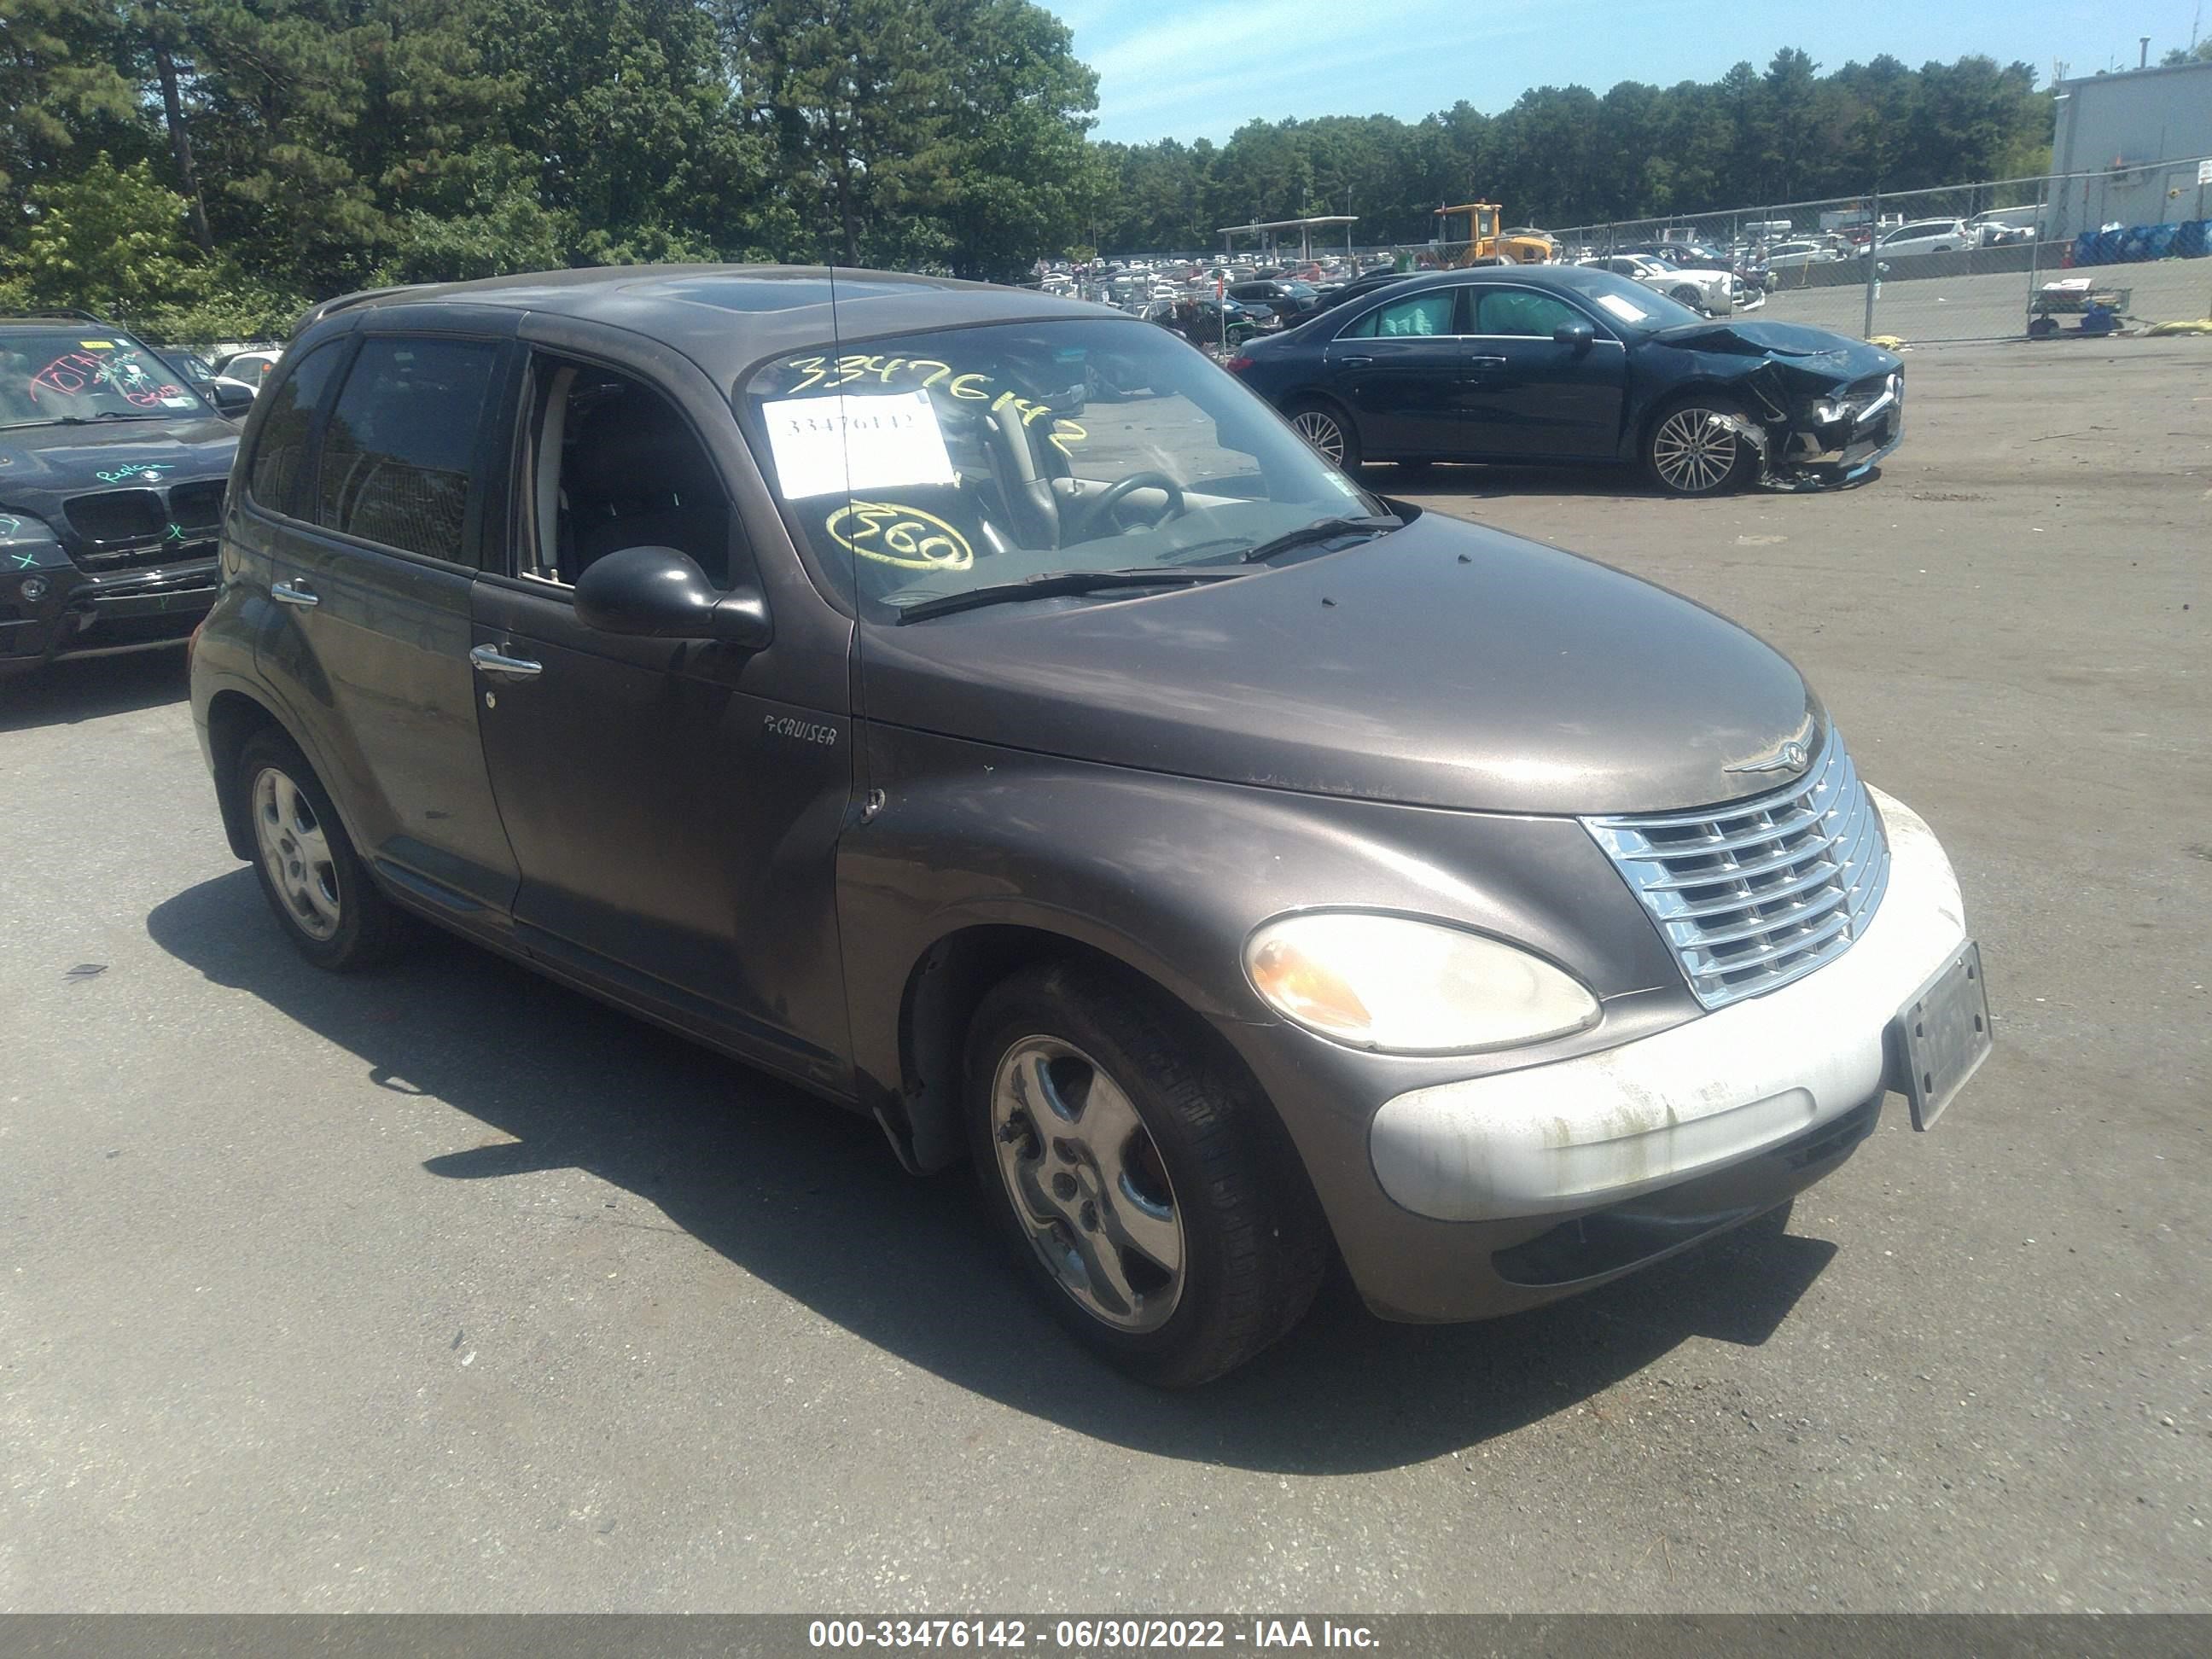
{"x": 1326, "y": 428}
{"x": 1695, "y": 448}
{"x": 1147, "y": 1189}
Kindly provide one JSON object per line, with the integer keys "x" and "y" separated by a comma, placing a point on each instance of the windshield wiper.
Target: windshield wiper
{"x": 1052, "y": 583}
{"x": 1321, "y": 530}
{"x": 87, "y": 420}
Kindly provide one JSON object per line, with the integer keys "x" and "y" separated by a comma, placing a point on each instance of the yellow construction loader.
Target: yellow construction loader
{"x": 1470, "y": 236}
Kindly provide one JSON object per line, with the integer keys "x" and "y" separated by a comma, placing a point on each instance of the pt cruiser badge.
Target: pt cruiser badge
{"x": 1236, "y": 870}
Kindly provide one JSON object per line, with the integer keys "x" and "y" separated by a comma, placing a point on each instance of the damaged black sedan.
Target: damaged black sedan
{"x": 1567, "y": 365}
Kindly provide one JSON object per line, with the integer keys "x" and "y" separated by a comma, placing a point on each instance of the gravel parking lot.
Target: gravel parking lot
{"x": 447, "y": 1289}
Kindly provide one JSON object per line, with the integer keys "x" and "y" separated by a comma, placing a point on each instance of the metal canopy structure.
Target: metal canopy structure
{"x": 1268, "y": 230}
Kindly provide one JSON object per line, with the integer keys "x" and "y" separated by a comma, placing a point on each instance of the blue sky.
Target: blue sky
{"x": 1199, "y": 69}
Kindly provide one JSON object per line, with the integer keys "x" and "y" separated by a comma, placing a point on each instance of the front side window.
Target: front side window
{"x": 1429, "y": 313}
{"x": 921, "y": 466}
{"x": 1518, "y": 311}
{"x": 615, "y": 466}
{"x": 399, "y": 452}
{"x": 277, "y": 476}
{"x": 91, "y": 374}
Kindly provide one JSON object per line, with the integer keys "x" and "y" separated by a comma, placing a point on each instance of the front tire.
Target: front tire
{"x": 315, "y": 883}
{"x": 1329, "y": 430}
{"x": 1144, "y": 1185}
{"x": 1690, "y": 451}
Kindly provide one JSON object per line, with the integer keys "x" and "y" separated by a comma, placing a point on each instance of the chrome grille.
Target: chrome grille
{"x": 1757, "y": 893}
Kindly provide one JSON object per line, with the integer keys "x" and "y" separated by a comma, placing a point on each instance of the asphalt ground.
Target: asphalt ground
{"x": 448, "y": 1290}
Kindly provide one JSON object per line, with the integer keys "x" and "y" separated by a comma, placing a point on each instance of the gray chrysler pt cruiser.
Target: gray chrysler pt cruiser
{"x": 980, "y": 710}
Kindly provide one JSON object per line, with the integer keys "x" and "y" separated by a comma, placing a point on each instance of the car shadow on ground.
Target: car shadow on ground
{"x": 808, "y": 1199}
{"x": 88, "y": 688}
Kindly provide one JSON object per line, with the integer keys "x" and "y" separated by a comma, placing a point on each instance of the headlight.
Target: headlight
{"x": 1410, "y": 988}
{"x": 28, "y": 543}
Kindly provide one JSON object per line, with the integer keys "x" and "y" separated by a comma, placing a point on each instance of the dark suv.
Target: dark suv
{"x": 112, "y": 467}
{"x": 1235, "y": 866}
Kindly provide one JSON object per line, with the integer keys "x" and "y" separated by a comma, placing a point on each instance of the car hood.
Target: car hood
{"x": 1814, "y": 350}
{"x": 1442, "y": 664}
{"x": 41, "y": 465}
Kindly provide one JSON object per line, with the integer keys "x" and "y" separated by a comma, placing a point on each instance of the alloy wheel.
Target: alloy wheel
{"x": 296, "y": 854}
{"x": 1694, "y": 451}
{"x": 1321, "y": 431}
{"x": 1087, "y": 1184}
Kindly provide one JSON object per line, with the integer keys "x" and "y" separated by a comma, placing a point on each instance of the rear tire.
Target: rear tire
{"x": 1142, "y": 1181}
{"x": 1686, "y": 454}
{"x": 1329, "y": 430}
{"x": 315, "y": 883}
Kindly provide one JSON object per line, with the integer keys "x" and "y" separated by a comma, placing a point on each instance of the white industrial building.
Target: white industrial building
{"x": 2140, "y": 133}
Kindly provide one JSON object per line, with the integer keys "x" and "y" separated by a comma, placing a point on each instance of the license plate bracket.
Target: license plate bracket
{"x": 1941, "y": 1037}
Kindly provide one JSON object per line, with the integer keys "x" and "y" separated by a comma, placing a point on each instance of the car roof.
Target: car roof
{"x": 1579, "y": 279}
{"x": 725, "y": 317}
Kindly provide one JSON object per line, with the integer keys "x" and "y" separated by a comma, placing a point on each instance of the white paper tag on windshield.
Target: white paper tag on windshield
{"x": 1627, "y": 310}
{"x": 825, "y": 446}
{"x": 178, "y": 402}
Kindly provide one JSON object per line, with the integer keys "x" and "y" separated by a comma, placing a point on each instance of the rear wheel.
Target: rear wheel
{"x": 313, "y": 880}
{"x": 1695, "y": 448}
{"x": 1326, "y": 428}
{"x": 1147, "y": 1188}
{"x": 1689, "y": 296}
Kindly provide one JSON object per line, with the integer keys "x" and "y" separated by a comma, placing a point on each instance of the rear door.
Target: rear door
{"x": 1531, "y": 396}
{"x": 1400, "y": 365}
{"x": 373, "y": 585}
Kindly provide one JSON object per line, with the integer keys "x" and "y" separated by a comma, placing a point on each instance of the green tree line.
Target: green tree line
{"x": 205, "y": 167}
{"x": 1566, "y": 155}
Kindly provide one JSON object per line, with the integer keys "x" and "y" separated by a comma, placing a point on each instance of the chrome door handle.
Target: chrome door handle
{"x": 297, "y": 594}
{"x": 1355, "y": 363}
{"x": 488, "y": 660}
{"x": 1485, "y": 363}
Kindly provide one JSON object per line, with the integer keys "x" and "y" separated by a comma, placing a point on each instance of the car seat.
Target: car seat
{"x": 636, "y": 477}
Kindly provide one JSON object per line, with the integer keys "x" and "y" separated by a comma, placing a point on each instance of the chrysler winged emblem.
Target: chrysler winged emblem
{"x": 1791, "y": 756}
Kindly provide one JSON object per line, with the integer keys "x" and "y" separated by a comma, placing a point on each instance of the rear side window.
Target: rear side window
{"x": 277, "y": 479}
{"x": 399, "y": 452}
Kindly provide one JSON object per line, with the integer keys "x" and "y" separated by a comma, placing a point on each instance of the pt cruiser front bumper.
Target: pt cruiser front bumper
{"x": 1515, "y": 1188}
{"x": 1623, "y": 1122}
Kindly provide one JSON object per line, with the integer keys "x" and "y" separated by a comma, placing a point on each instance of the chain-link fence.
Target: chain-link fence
{"x": 1999, "y": 259}
{"x": 2003, "y": 258}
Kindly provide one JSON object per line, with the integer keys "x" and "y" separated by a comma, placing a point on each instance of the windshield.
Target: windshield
{"x": 921, "y": 466}
{"x": 1631, "y": 305}
{"x": 48, "y": 374}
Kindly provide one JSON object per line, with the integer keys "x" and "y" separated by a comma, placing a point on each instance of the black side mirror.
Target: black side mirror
{"x": 231, "y": 400}
{"x": 658, "y": 593}
{"x": 1580, "y": 335}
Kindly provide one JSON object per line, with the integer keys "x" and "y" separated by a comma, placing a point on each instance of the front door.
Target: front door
{"x": 674, "y": 819}
{"x": 1402, "y": 367}
{"x": 1531, "y": 396}
{"x": 373, "y": 560}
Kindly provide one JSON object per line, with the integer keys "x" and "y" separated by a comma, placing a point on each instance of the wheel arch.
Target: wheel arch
{"x": 233, "y": 718}
{"x": 947, "y": 983}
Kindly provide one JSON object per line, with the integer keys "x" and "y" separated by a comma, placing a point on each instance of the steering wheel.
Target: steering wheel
{"x": 1101, "y": 510}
